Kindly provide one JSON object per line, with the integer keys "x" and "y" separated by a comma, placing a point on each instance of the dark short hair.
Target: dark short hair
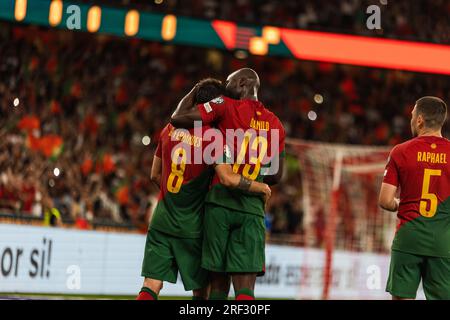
{"x": 209, "y": 89}
{"x": 433, "y": 110}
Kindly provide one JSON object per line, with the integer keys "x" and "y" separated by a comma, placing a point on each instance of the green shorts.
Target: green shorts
{"x": 165, "y": 255}
{"x": 406, "y": 271}
{"x": 233, "y": 241}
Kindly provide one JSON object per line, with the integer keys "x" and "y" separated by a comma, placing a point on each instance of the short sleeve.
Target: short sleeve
{"x": 279, "y": 138}
{"x": 213, "y": 110}
{"x": 158, "y": 152}
{"x": 391, "y": 171}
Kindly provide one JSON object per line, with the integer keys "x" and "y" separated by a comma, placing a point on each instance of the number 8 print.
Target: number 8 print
{"x": 177, "y": 171}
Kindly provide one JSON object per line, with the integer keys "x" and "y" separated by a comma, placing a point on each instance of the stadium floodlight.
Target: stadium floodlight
{"x": 312, "y": 115}
{"x": 271, "y": 34}
{"x": 146, "y": 140}
{"x": 318, "y": 98}
{"x": 94, "y": 19}
{"x": 169, "y": 27}
{"x": 20, "y": 10}
{"x": 300, "y": 44}
{"x": 258, "y": 46}
{"x": 55, "y": 13}
{"x": 241, "y": 54}
{"x": 132, "y": 23}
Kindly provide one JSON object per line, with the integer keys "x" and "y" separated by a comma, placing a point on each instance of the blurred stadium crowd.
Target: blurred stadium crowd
{"x": 410, "y": 20}
{"x": 79, "y": 115}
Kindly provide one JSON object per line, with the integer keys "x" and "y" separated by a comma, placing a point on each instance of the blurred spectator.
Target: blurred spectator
{"x": 72, "y": 141}
{"x": 52, "y": 216}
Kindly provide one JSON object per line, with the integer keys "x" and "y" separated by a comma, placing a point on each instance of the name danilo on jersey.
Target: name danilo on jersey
{"x": 259, "y": 125}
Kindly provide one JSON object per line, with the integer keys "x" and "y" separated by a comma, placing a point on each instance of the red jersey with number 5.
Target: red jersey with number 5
{"x": 421, "y": 168}
{"x": 255, "y": 137}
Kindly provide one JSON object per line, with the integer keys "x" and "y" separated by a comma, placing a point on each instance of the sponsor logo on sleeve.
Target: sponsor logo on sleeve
{"x": 218, "y": 100}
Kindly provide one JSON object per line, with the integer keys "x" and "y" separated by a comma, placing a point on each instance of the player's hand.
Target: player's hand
{"x": 196, "y": 87}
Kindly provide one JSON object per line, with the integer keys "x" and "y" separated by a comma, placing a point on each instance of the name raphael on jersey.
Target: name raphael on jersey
{"x": 432, "y": 157}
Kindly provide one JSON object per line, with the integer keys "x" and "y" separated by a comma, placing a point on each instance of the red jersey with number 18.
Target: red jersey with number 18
{"x": 420, "y": 167}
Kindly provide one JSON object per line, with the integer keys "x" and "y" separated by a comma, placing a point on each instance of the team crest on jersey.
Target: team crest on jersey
{"x": 218, "y": 100}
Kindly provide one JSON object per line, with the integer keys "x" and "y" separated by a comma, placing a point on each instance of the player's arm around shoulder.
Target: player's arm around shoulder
{"x": 389, "y": 186}
{"x": 185, "y": 114}
{"x": 200, "y": 104}
{"x": 236, "y": 181}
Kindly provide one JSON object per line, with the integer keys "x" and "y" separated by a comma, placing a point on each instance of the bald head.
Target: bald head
{"x": 243, "y": 84}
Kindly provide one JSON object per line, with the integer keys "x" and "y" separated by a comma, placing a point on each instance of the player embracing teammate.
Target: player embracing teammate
{"x": 182, "y": 167}
{"x": 234, "y": 228}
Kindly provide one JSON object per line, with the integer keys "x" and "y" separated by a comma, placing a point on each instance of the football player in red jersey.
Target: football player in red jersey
{"x": 420, "y": 168}
{"x": 180, "y": 168}
{"x": 234, "y": 238}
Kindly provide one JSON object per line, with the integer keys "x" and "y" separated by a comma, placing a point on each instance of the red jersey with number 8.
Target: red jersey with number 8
{"x": 185, "y": 181}
{"x": 420, "y": 167}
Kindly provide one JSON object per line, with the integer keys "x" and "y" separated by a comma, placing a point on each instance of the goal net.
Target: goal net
{"x": 340, "y": 185}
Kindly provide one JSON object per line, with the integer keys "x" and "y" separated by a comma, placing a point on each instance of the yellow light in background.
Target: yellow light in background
{"x": 318, "y": 98}
{"x": 132, "y": 23}
{"x": 271, "y": 35}
{"x": 20, "y": 10}
{"x": 169, "y": 27}
{"x": 55, "y": 13}
{"x": 94, "y": 19}
{"x": 258, "y": 46}
{"x": 241, "y": 54}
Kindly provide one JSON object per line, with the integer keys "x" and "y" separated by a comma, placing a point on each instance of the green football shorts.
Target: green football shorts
{"x": 406, "y": 271}
{"x": 165, "y": 255}
{"x": 233, "y": 241}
